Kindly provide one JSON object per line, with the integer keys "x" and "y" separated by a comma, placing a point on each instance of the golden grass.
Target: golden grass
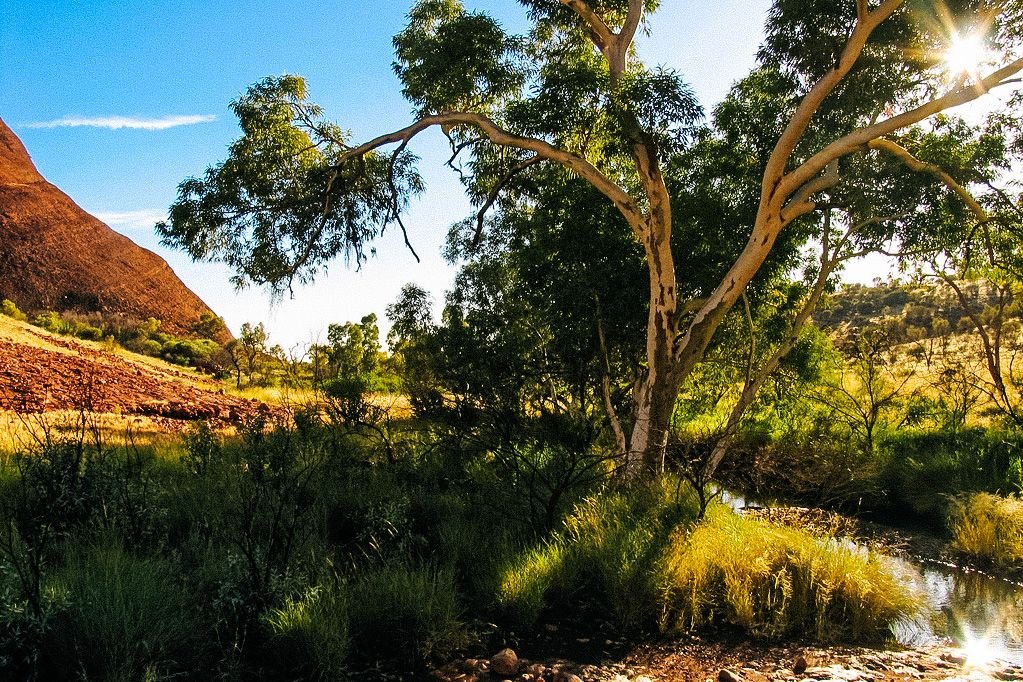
{"x": 774, "y": 582}
{"x": 22, "y": 432}
{"x": 989, "y": 527}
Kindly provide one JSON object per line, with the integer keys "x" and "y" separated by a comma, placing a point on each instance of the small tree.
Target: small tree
{"x": 252, "y": 347}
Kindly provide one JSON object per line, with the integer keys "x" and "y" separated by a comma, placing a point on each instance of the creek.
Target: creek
{"x": 982, "y": 614}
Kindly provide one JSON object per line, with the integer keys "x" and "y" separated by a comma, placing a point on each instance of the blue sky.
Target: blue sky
{"x": 93, "y": 86}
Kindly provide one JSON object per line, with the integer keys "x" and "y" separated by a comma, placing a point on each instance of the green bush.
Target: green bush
{"x": 8, "y": 308}
{"x": 989, "y": 527}
{"x": 127, "y": 617}
{"x": 922, "y": 470}
{"x": 309, "y": 635}
{"x": 403, "y": 610}
{"x": 50, "y": 321}
{"x": 775, "y": 582}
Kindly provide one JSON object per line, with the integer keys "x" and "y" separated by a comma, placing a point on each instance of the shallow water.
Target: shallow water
{"x": 980, "y": 613}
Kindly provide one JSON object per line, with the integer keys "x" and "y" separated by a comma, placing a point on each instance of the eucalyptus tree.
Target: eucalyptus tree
{"x": 295, "y": 192}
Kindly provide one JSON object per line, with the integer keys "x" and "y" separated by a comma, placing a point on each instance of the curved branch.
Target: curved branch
{"x": 497, "y": 135}
{"x": 915, "y": 164}
{"x": 600, "y": 32}
{"x": 800, "y": 204}
{"x": 496, "y": 191}
{"x": 859, "y": 138}
{"x": 866, "y": 23}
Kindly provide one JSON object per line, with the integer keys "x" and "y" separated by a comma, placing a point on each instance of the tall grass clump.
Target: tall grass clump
{"x": 989, "y": 527}
{"x": 309, "y": 634}
{"x": 404, "y": 610}
{"x": 776, "y": 582}
{"x": 604, "y": 556}
{"x": 126, "y": 617}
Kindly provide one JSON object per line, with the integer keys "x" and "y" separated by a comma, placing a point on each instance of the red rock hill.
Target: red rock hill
{"x": 55, "y": 256}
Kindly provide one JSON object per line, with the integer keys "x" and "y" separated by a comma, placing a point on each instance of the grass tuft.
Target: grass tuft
{"x": 989, "y": 527}
{"x": 776, "y": 582}
{"x": 406, "y": 611}
{"x": 310, "y": 634}
{"x": 126, "y": 618}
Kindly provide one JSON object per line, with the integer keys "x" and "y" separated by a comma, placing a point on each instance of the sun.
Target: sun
{"x": 965, "y": 55}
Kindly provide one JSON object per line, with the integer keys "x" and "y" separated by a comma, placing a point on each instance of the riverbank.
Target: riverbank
{"x": 732, "y": 659}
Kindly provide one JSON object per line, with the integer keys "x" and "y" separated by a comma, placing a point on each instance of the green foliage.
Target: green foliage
{"x": 407, "y": 610}
{"x": 353, "y": 349}
{"x": 287, "y": 157}
{"x": 775, "y": 582}
{"x": 450, "y": 60}
{"x": 922, "y": 469}
{"x": 309, "y": 634}
{"x": 989, "y": 527}
{"x": 127, "y": 618}
{"x": 8, "y": 308}
{"x": 209, "y": 326}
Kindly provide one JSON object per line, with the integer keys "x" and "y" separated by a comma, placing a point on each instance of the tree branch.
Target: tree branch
{"x": 861, "y": 137}
{"x": 599, "y": 31}
{"x": 800, "y": 204}
{"x": 497, "y": 135}
{"x": 915, "y": 164}
{"x": 496, "y": 191}
{"x": 801, "y": 117}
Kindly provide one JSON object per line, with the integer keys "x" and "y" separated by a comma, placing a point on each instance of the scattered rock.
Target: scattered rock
{"x": 725, "y": 675}
{"x": 505, "y": 663}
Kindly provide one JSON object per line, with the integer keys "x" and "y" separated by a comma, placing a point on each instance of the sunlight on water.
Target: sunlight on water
{"x": 981, "y": 614}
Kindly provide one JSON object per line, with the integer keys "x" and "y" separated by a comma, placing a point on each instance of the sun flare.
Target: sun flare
{"x": 965, "y": 55}
{"x": 977, "y": 651}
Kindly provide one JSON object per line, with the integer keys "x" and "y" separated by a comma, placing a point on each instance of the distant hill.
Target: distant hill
{"x": 55, "y": 256}
{"x": 907, "y": 311}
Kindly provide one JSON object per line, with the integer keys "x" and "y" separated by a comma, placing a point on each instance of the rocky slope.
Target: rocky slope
{"x": 40, "y": 372}
{"x": 55, "y": 256}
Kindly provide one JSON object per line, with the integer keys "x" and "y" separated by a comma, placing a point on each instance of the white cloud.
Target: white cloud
{"x": 118, "y": 122}
{"x": 131, "y": 220}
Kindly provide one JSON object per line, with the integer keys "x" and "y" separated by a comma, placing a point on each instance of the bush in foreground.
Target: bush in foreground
{"x": 604, "y": 555}
{"x": 126, "y": 618}
{"x": 643, "y": 559}
{"x": 776, "y": 582}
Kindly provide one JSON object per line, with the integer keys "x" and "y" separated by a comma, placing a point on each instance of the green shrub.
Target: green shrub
{"x": 310, "y": 634}
{"x": 923, "y": 469}
{"x": 405, "y": 610}
{"x": 989, "y": 527}
{"x": 88, "y": 332}
{"x": 604, "y": 555}
{"x": 127, "y": 619}
{"x": 8, "y": 308}
{"x": 776, "y": 582}
{"x": 50, "y": 321}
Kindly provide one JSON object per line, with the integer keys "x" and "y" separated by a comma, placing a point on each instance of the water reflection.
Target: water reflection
{"x": 983, "y": 615}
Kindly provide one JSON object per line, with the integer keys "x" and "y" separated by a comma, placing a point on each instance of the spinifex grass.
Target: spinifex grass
{"x": 989, "y": 526}
{"x": 775, "y": 582}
